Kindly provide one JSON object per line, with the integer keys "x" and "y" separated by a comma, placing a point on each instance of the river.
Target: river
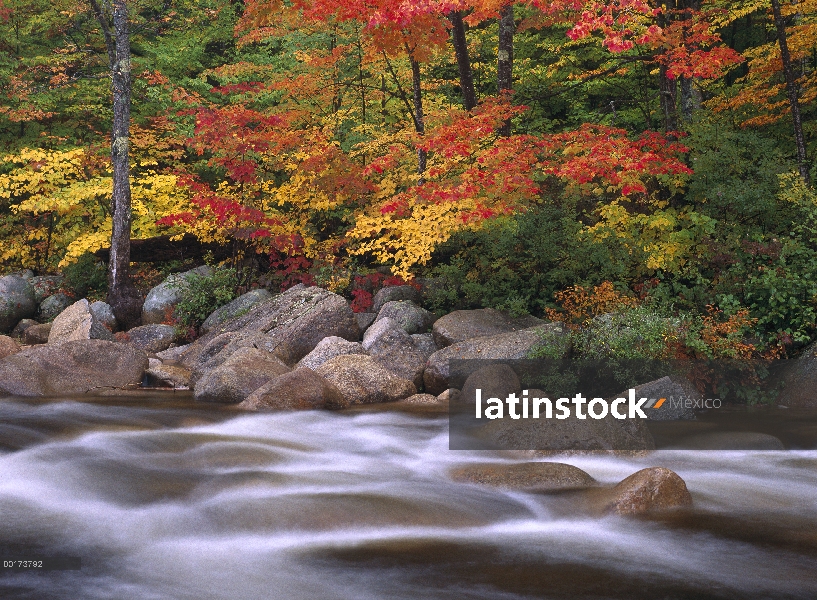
{"x": 161, "y": 499}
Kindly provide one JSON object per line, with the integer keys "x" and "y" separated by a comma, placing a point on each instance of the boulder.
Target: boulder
{"x": 73, "y": 367}
{"x": 161, "y": 300}
{"x": 77, "y": 323}
{"x": 529, "y": 476}
{"x": 21, "y": 327}
{"x": 647, "y": 490}
{"x": 676, "y": 388}
{"x": 410, "y": 317}
{"x": 301, "y": 389}
{"x": 246, "y": 370}
{"x": 494, "y": 380}
{"x": 731, "y": 440}
{"x": 16, "y": 301}
{"x": 166, "y": 375}
{"x": 505, "y": 346}
{"x": 152, "y": 338}
{"x": 236, "y": 308}
{"x": 37, "y": 334}
{"x": 8, "y": 346}
{"x": 327, "y": 348}
{"x": 395, "y": 293}
{"x": 450, "y": 395}
{"x": 393, "y": 348}
{"x": 103, "y": 313}
{"x": 53, "y": 306}
{"x": 173, "y": 353}
{"x": 289, "y": 326}
{"x": 364, "y": 320}
{"x": 45, "y": 286}
{"x": 799, "y": 380}
{"x": 362, "y": 380}
{"x": 421, "y": 400}
{"x": 424, "y": 344}
{"x": 467, "y": 324}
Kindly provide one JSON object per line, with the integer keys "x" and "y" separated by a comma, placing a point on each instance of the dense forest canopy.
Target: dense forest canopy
{"x": 511, "y": 150}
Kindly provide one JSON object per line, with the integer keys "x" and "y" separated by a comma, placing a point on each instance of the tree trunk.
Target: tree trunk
{"x": 122, "y": 296}
{"x": 419, "y": 117}
{"x": 791, "y": 89}
{"x": 690, "y": 97}
{"x": 469, "y": 96}
{"x": 504, "y": 63}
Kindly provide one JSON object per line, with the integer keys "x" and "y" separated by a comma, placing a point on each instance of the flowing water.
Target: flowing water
{"x": 161, "y": 499}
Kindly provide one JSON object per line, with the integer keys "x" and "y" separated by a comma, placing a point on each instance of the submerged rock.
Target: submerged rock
{"x": 530, "y": 476}
{"x": 655, "y": 488}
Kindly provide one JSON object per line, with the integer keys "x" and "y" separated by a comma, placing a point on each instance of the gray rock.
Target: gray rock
{"x": 103, "y": 313}
{"x": 246, "y": 370}
{"x": 463, "y": 325}
{"x": 289, "y": 326}
{"x": 410, "y": 317}
{"x": 731, "y": 440}
{"x": 173, "y": 353}
{"x": 362, "y": 380}
{"x": 16, "y": 301}
{"x": 450, "y": 395}
{"x": 327, "y": 348}
{"x": 77, "y": 323}
{"x": 364, "y": 320}
{"x": 163, "y": 375}
{"x": 8, "y": 346}
{"x": 37, "y": 334}
{"x": 236, "y": 308}
{"x": 505, "y": 346}
{"x": 27, "y": 274}
{"x": 53, "y": 306}
{"x": 530, "y": 476}
{"x": 421, "y": 400}
{"x": 395, "y": 293}
{"x": 673, "y": 392}
{"x": 152, "y": 338}
{"x": 394, "y": 349}
{"x": 45, "y": 286}
{"x": 74, "y": 367}
{"x": 301, "y": 389}
{"x": 424, "y": 343}
{"x": 21, "y": 327}
{"x": 494, "y": 381}
{"x": 799, "y": 380}
{"x": 161, "y": 300}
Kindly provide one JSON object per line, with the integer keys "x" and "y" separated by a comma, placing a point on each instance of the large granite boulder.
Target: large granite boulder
{"x": 236, "y": 308}
{"x": 52, "y": 306}
{"x": 467, "y": 324}
{"x": 493, "y": 380}
{"x": 424, "y": 344}
{"x": 16, "y": 301}
{"x": 45, "y": 286}
{"x": 410, "y": 317}
{"x": 103, "y": 313}
{"x": 246, "y": 370}
{"x": 152, "y": 338}
{"x": 74, "y": 367}
{"x": 161, "y": 300}
{"x": 289, "y": 326}
{"x": 8, "y": 346}
{"x": 529, "y": 476}
{"x": 329, "y": 347}
{"x": 77, "y": 323}
{"x": 505, "y": 346}
{"x": 301, "y": 389}
{"x": 364, "y": 320}
{"x": 395, "y": 293}
{"x": 394, "y": 349}
{"x": 362, "y": 380}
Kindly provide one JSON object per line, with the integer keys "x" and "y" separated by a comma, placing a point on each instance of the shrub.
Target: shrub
{"x": 202, "y": 294}
{"x": 87, "y": 277}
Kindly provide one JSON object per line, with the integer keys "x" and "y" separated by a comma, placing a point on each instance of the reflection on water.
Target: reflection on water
{"x": 164, "y": 500}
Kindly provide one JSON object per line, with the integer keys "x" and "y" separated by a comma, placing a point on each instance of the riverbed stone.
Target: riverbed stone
{"x": 37, "y": 334}
{"x": 731, "y": 440}
{"x": 77, "y": 323}
{"x": 505, "y": 346}
{"x": 72, "y": 367}
{"x": 246, "y": 370}
{"x": 388, "y": 343}
{"x": 173, "y": 353}
{"x": 8, "y": 346}
{"x": 463, "y": 325}
{"x": 301, "y": 389}
{"x": 236, "y": 308}
{"x": 52, "y": 306}
{"x": 167, "y": 375}
{"x": 528, "y": 476}
{"x": 162, "y": 299}
{"x": 652, "y": 489}
{"x": 362, "y": 380}
{"x": 329, "y": 347}
{"x": 494, "y": 381}
{"x": 410, "y": 317}
{"x": 103, "y": 313}
{"x": 421, "y": 400}
{"x": 395, "y": 293}
{"x": 45, "y": 286}
{"x": 152, "y": 338}
{"x": 21, "y": 327}
{"x": 289, "y": 326}
{"x": 16, "y": 301}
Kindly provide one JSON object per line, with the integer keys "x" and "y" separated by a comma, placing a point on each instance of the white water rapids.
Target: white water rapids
{"x": 161, "y": 501}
